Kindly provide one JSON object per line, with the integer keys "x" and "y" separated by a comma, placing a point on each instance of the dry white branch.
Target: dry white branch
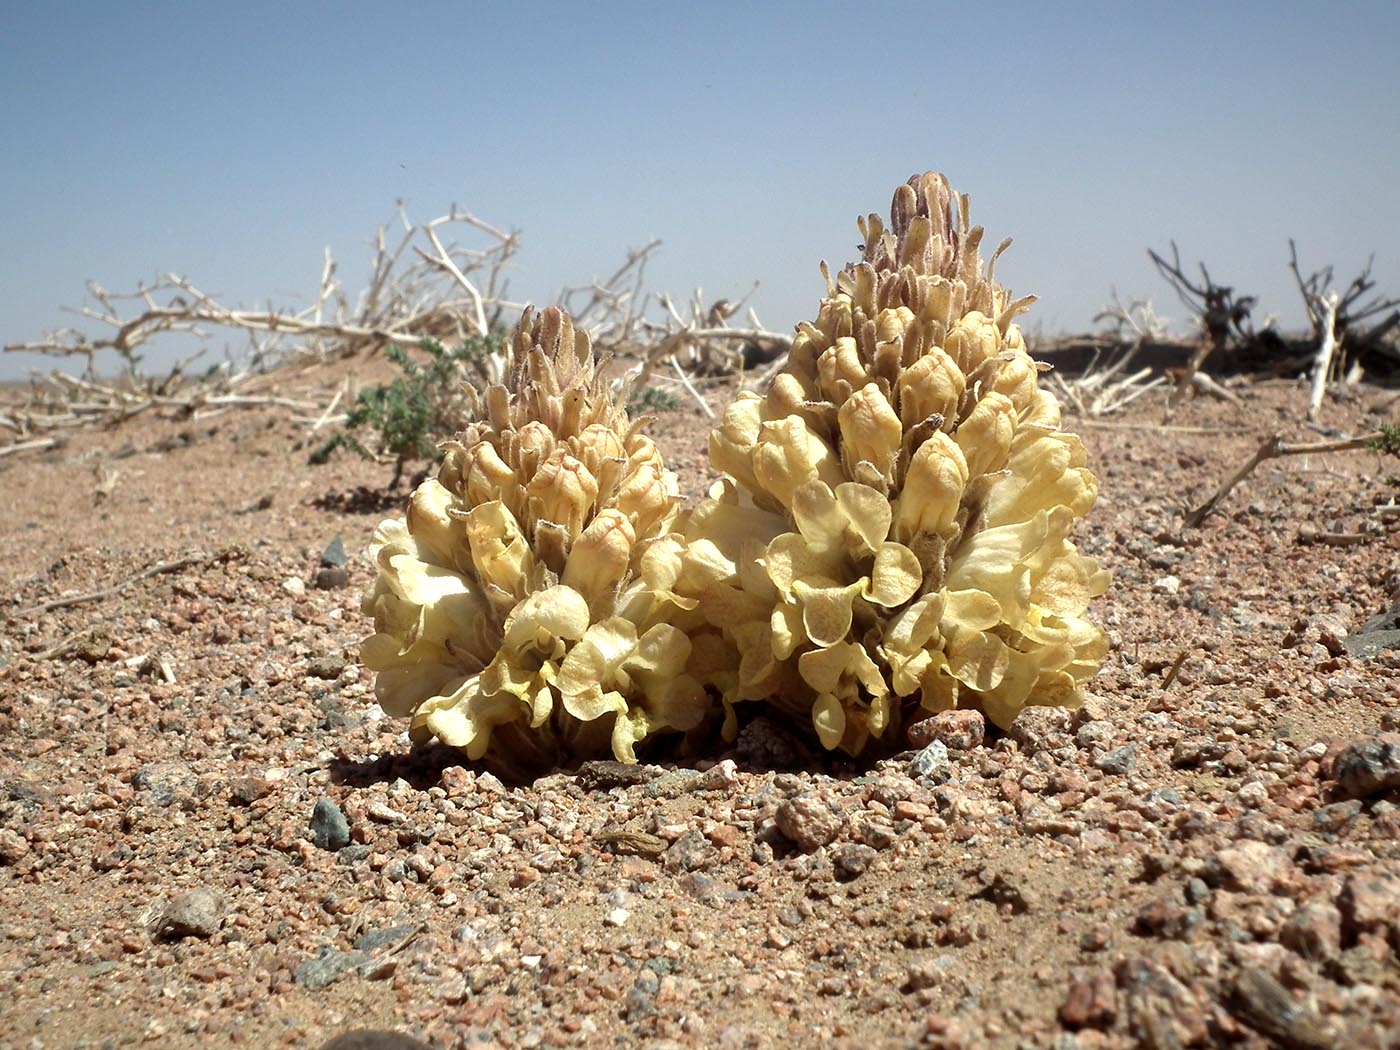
{"x": 690, "y": 388}
{"x": 1327, "y": 348}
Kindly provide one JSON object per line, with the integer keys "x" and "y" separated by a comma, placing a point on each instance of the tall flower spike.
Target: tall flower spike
{"x": 911, "y": 496}
{"x": 523, "y": 611}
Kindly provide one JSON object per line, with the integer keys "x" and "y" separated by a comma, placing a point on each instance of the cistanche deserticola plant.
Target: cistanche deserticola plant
{"x": 522, "y": 612}
{"x": 891, "y": 532}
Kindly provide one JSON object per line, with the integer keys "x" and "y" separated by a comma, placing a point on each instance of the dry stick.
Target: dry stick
{"x": 1108, "y": 424}
{"x": 1175, "y": 668}
{"x": 30, "y": 446}
{"x": 330, "y": 409}
{"x": 1325, "y": 350}
{"x": 1272, "y": 448}
{"x": 685, "y": 382}
{"x": 108, "y": 592}
{"x": 1202, "y": 381}
{"x": 1335, "y": 539}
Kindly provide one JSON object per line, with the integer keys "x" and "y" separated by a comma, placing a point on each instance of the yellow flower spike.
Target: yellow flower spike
{"x": 603, "y": 453}
{"x": 985, "y": 435}
{"x": 892, "y": 325}
{"x": 1043, "y": 473}
{"x": 399, "y": 690}
{"x": 925, "y": 494}
{"x": 870, "y": 434}
{"x": 894, "y": 577}
{"x": 911, "y": 642}
{"x": 592, "y": 665}
{"x": 788, "y": 455}
{"x": 649, "y": 495}
{"x": 789, "y": 396}
{"x": 671, "y": 697}
{"x": 733, "y": 441}
{"x": 534, "y": 443}
{"x": 551, "y": 514}
{"x": 537, "y": 638}
{"x": 864, "y": 518}
{"x": 827, "y": 607}
{"x": 463, "y": 717}
{"x": 1016, "y": 379}
{"x": 840, "y": 369}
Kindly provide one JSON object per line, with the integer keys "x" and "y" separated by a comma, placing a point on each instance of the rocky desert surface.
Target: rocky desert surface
{"x": 210, "y": 836}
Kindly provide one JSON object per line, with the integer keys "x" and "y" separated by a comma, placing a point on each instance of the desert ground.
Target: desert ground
{"x": 211, "y": 836}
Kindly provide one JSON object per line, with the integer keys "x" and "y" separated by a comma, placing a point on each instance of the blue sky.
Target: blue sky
{"x": 233, "y": 142}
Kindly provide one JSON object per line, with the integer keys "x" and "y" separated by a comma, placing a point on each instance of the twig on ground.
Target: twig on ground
{"x": 30, "y": 446}
{"x": 1203, "y": 382}
{"x": 1272, "y": 448}
{"x": 1307, "y": 534}
{"x": 200, "y": 558}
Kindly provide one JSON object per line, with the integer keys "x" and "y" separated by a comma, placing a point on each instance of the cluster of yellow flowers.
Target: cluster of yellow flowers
{"x": 890, "y": 535}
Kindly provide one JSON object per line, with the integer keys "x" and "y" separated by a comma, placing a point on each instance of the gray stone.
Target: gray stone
{"x": 329, "y": 828}
{"x": 332, "y": 579}
{"x": 673, "y": 783}
{"x": 168, "y": 783}
{"x": 373, "y": 1039}
{"x": 334, "y": 555}
{"x": 1120, "y": 761}
{"x": 328, "y": 966}
{"x": 373, "y": 940}
{"x": 1368, "y": 766}
{"x": 691, "y": 852}
{"x": 196, "y": 913}
{"x": 959, "y": 730}
{"x": 852, "y": 859}
{"x": 327, "y": 668}
{"x": 1039, "y": 728}
{"x": 931, "y": 759}
{"x": 1371, "y": 644}
{"x": 1248, "y": 867}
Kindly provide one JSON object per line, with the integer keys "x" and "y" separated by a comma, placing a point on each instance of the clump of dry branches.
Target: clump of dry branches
{"x": 1343, "y": 325}
{"x": 422, "y": 286}
{"x": 1105, "y": 386}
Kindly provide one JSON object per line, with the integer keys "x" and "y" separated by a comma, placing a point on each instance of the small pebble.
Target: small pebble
{"x": 373, "y": 1039}
{"x": 809, "y": 821}
{"x": 931, "y": 759}
{"x": 196, "y": 913}
{"x": 329, "y": 828}
{"x": 1368, "y": 766}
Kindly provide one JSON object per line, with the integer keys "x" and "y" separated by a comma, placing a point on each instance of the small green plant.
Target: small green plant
{"x": 409, "y": 415}
{"x": 1387, "y": 439}
{"x": 653, "y": 399}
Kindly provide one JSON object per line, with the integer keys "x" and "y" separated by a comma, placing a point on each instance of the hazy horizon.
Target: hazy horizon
{"x": 233, "y": 145}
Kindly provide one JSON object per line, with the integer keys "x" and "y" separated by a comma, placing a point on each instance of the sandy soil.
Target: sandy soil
{"x": 1187, "y": 861}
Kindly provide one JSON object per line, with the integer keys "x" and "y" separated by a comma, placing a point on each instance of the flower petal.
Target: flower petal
{"x": 895, "y": 577}
{"x": 826, "y": 608}
{"x": 870, "y": 431}
{"x": 829, "y": 720}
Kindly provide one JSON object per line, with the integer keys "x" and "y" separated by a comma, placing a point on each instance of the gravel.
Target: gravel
{"x": 1028, "y": 889}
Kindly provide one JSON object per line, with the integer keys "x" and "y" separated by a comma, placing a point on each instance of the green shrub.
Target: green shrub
{"x": 407, "y": 417}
